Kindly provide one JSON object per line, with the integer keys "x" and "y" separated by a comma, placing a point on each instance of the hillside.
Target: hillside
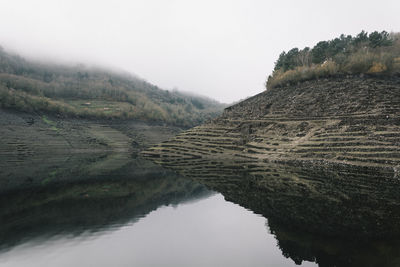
{"x": 87, "y": 92}
{"x": 349, "y": 120}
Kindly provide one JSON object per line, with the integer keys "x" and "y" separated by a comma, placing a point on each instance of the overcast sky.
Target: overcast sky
{"x": 223, "y": 49}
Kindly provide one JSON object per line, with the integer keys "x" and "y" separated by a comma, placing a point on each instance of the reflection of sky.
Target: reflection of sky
{"x": 209, "y": 232}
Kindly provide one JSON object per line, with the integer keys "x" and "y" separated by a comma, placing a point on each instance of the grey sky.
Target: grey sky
{"x": 224, "y": 49}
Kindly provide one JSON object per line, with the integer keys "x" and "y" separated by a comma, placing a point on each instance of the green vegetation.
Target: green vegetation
{"x": 52, "y": 124}
{"x": 376, "y": 53}
{"x": 95, "y": 93}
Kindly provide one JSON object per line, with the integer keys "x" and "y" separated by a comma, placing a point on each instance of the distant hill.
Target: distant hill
{"x": 80, "y": 91}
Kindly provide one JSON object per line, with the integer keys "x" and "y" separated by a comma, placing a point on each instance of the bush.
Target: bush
{"x": 299, "y": 74}
{"x": 377, "y": 67}
{"x": 358, "y": 63}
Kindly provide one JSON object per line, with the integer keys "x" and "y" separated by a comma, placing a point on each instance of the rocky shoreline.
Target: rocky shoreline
{"x": 36, "y": 149}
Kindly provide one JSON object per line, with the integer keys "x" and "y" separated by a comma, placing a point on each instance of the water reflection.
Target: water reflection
{"x": 334, "y": 216}
{"x": 116, "y": 210}
{"x": 301, "y": 246}
{"x": 208, "y": 232}
{"x": 80, "y": 200}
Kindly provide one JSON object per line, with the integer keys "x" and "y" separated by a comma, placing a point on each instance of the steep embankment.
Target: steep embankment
{"x": 345, "y": 120}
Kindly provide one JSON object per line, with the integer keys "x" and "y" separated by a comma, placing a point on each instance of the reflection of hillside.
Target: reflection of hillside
{"x": 348, "y": 202}
{"x": 300, "y": 246}
{"x": 40, "y": 170}
{"x": 91, "y": 203}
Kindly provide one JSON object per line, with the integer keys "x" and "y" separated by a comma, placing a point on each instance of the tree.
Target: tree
{"x": 304, "y": 57}
{"x": 319, "y": 52}
{"x": 379, "y": 39}
{"x": 279, "y": 62}
{"x": 362, "y": 37}
{"x": 290, "y": 62}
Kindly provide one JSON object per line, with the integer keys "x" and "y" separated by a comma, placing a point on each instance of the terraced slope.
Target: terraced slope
{"x": 343, "y": 120}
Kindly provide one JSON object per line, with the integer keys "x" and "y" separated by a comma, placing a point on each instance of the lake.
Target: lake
{"x": 120, "y": 210}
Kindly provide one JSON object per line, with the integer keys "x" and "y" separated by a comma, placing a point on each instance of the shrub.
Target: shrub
{"x": 377, "y": 67}
{"x": 358, "y": 63}
{"x": 396, "y": 65}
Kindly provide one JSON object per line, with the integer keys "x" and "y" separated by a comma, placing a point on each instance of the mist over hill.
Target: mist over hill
{"x": 95, "y": 92}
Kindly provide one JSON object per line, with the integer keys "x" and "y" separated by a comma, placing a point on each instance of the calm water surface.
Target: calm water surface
{"x": 204, "y": 232}
{"x": 115, "y": 210}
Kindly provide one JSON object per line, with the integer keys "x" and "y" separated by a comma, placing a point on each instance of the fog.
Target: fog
{"x": 223, "y": 49}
